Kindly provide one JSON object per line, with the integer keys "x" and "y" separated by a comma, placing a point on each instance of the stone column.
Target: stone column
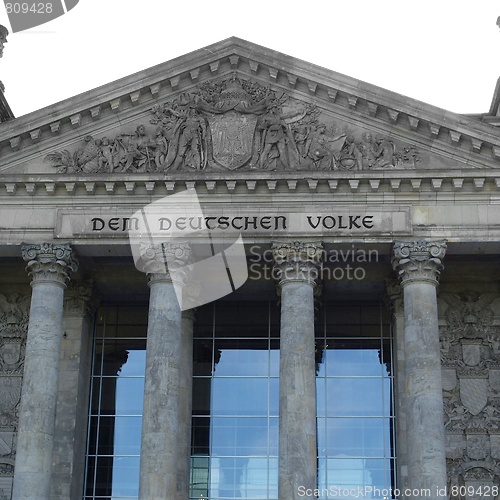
{"x": 160, "y": 424}
{"x": 185, "y": 406}
{"x": 418, "y": 264}
{"x": 50, "y": 267}
{"x": 297, "y": 265}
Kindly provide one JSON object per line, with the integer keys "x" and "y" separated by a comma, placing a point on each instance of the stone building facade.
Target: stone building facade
{"x": 356, "y": 351}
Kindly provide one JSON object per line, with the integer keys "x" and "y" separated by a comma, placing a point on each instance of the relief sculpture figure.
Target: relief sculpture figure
{"x": 234, "y": 124}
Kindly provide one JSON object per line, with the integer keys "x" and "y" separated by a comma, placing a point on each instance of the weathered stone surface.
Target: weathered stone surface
{"x": 14, "y": 314}
{"x": 50, "y": 267}
{"x": 297, "y": 264}
{"x": 231, "y": 124}
{"x": 161, "y": 427}
{"x": 469, "y": 348}
{"x": 418, "y": 265}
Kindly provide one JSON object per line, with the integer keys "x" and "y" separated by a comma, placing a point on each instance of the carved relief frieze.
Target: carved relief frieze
{"x": 14, "y": 318}
{"x": 471, "y": 389}
{"x": 234, "y": 124}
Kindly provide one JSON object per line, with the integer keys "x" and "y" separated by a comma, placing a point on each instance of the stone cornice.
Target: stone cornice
{"x": 457, "y": 183}
{"x": 447, "y": 132}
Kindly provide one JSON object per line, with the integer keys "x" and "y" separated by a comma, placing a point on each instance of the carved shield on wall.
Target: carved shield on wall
{"x": 495, "y": 379}
{"x": 449, "y": 377}
{"x": 495, "y": 445}
{"x": 471, "y": 354}
{"x": 474, "y": 394}
{"x": 10, "y": 393}
{"x": 232, "y": 138}
{"x": 455, "y": 444}
{"x": 478, "y": 446}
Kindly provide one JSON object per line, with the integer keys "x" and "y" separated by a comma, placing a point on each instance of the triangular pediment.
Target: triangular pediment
{"x": 236, "y": 106}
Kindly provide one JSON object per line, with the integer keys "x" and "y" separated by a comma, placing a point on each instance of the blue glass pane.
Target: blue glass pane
{"x": 322, "y": 443}
{"x": 273, "y": 478}
{"x": 239, "y": 436}
{"x": 236, "y": 362}
{"x": 125, "y": 480}
{"x": 240, "y": 396}
{"x": 274, "y": 354}
{"x": 273, "y": 436}
{"x": 354, "y": 362}
{"x": 127, "y": 435}
{"x": 274, "y": 397}
{"x": 357, "y": 437}
{"x": 346, "y": 474}
{"x": 380, "y": 472}
{"x": 358, "y": 397}
{"x": 129, "y": 396}
{"x": 321, "y": 396}
{"x": 239, "y": 478}
{"x": 135, "y": 365}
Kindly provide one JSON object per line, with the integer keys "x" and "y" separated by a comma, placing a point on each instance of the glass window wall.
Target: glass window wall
{"x": 236, "y": 400}
{"x": 354, "y": 400}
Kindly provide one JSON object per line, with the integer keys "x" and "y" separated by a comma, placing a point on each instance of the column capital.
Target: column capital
{"x": 164, "y": 261}
{"x": 49, "y": 262}
{"x": 418, "y": 261}
{"x": 297, "y": 261}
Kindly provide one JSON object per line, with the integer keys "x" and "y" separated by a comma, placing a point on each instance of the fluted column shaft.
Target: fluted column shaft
{"x": 50, "y": 267}
{"x": 164, "y": 356}
{"x": 297, "y": 267}
{"x": 419, "y": 265}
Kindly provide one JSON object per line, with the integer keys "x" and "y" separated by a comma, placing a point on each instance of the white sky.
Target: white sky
{"x": 442, "y": 52}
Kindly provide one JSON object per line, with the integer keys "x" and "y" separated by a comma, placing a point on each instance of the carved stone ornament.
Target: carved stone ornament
{"x": 474, "y": 393}
{"x": 469, "y": 350}
{"x": 234, "y": 124}
{"x": 79, "y": 298}
{"x": 418, "y": 260}
{"x": 49, "y": 262}
{"x": 165, "y": 261}
{"x": 14, "y": 315}
{"x": 4, "y": 32}
{"x": 14, "y": 318}
{"x": 297, "y": 261}
{"x": 478, "y": 445}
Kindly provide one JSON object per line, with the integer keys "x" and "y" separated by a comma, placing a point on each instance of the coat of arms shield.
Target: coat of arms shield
{"x": 232, "y": 138}
{"x": 474, "y": 394}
